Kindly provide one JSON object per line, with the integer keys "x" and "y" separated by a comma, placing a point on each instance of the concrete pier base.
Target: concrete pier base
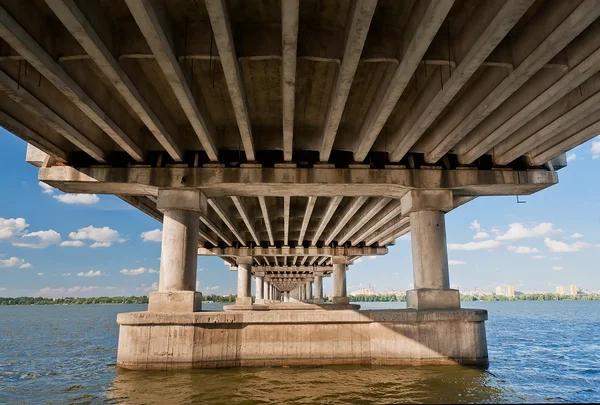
{"x": 162, "y": 341}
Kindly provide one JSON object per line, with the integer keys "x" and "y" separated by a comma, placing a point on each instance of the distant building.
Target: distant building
{"x": 567, "y": 290}
{"x": 505, "y": 290}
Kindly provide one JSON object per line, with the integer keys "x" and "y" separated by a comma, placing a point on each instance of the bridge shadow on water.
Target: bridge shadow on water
{"x": 332, "y": 384}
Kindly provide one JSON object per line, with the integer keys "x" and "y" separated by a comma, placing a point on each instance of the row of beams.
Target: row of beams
{"x": 350, "y": 211}
{"x": 488, "y": 27}
{"x": 360, "y": 20}
{"x": 329, "y": 211}
{"x": 149, "y": 22}
{"x": 425, "y": 21}
{"x": 563, "y": 34}
{"x": 88, "y": 38}
{"x": 310, "y": 205}
{"x": 220, "y": 211}
{"x": 263, "y": 207}
{"x": 26, "y": 46}
{"x": 290, "y": 252}
{"x": 372, "y": 208}
{"x": 243, "y": 210}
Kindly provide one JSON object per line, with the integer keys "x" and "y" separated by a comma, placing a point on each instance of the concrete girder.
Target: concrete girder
{"x": 334, "y": 202}
{"x": 388, "y": 229}
{"x": 243, "y": 210}
{"x": 490, "y": 24}
{"x": 72, "y": 17}
{"x": 370, "y": 210}
{"x": 219, "y": 20}
{"x": 455, "y": 129}
{"x": 391, "y": 211}
{"x": 360, "y": 20}
{"x": 417, "y": 37}
{"x": 310, "y": 205}
{"x": 263, "y": 207}
{"x": 18, "y": 38}
{"x": 226, "y": 220}
{"x": 393, "y": 183}
{"x": 350, "y": 211}
{"x": 154, "y": 27}
{"x": 290, "y": 14}
{"x": 298, "y": 251}
{"x": 286, "y": 220}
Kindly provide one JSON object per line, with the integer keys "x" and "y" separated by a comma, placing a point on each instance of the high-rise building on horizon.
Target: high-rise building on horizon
{"x": 567, "y": 290}
{"x": 506, "y": 290}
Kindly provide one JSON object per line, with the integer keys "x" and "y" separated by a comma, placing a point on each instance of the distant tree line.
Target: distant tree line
{"x": 219, "y": 298}
{"x": 532, "y": 297}
{"x": 73, "y": 300}
{"x": 378, "y": 298}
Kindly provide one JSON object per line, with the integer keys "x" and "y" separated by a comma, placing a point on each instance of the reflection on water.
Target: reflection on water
{"x": 335, "y": 385}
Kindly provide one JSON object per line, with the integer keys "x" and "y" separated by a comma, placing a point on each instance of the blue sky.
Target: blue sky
{"x": 52, "y": 244}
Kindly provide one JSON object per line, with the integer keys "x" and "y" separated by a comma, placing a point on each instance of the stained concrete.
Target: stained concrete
{"x": 154, "y": 341}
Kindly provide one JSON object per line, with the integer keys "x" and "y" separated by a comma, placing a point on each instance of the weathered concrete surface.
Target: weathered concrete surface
{"x": 175, "y": 301}
{"x": 156, "y": 341}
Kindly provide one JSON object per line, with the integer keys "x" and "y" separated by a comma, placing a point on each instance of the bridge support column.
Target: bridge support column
{"x": 427, "y": 209}
{"x": 339, "y": 280}
{"x": 260, "y": 298}
{"x": 318, "y": 288}
{"x": 309, "y": 292}
{"x": 179, "y": 253}
{"x": 244, "y": 296}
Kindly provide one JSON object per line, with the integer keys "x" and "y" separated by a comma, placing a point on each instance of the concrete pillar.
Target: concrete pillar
{"x": 318, "y": 287}
{"x": 286, "y": 296}
{"x": 179, "y": 253}
{"x": 265, "y": 290}
{"x": 339, "y": 281}
{"x": 260, "y": 299}
{"x": 429, "y": 250}
{"x": 244, "y": 296}
{"x": 309, "y": 292}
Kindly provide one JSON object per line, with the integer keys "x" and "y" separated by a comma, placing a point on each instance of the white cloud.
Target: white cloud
{"x": 152, "y": 271}
{"x": 71, "y": 243}
{"x": 135, "y": 272}
{"x": 77, "y": 198}
{"x": 487, "y": 244}
{"x": 518, "y": 231}
{"x": 538, "y": 257}
{"x": 496, "y": 231}
{"x": 405, "y": 237}
{"x": 213, "y": 288}
{"x": 90, "y": 273}
{"x": 562, "y": 247}
{"x": 153, "y": 287}
{"x": 12, "y": 227}
{"x": 39, "y": 239}
{"x": 596, "y": 148}
{"x": 40, "y": 274}
{"x": 3, "y": 289}
{"x": 556, "y": 258}
{"x": 154, "y": 235}
{"x": 481, "y": 235}
{"x": 360, "y": 259}
{"x": 577, "y": 235}
{"x": 26, "y": 266}
{"x": 46, "y": 189}
{"x": 476, "y": 226}
{"x": 523, "y": 250}
{"x": 100, "y": 244}
{"x": 102, "y": 237}
{"x": 372, "y": 257}
{"x": 571, "y": 157}
{"x": 557, "y": 268}
{"x": 456, "y": 262}
{"x": 12, "y": 262}
{"x": 66, "y": 274}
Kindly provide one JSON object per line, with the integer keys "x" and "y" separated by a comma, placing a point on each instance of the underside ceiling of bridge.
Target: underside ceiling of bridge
{"x": 358, "y": 85}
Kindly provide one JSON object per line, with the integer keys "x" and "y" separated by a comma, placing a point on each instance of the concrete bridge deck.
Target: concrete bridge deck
{"x": 292, "y": 137}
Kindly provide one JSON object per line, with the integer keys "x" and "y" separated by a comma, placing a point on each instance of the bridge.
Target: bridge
{"x": 291, "y": 138}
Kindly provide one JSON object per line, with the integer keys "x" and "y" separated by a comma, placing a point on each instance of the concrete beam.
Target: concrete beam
{"x": 359, "y": 22}
{"x": 74, "y": 20}
{"x": 370, "y": 210}
{"x": 426, "y": 18}
{"x": 310, "y": 205}
{"x": 330, "y": 210}
{"x": 253, "y": 182}
{"x": 388, "y": 229}
{"x": 263, "y": 207}
{"x": 241, "y": 207}
{"x": 449, "y": 132}
{"x": 220, "y": 211}
{"x": 391, "y": 211}
{"x": 40, "y": 110}
{"x": 149, "y": 22}
{"x": 286, "y": 220}
{"x": 219, "y": 20}
{"x": 289, "y": 44}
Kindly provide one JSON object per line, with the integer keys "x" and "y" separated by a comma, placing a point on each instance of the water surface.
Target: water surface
{"x": 539, "y": 352}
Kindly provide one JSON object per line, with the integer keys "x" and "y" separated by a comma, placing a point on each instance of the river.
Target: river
{"x": 539, "y": 352}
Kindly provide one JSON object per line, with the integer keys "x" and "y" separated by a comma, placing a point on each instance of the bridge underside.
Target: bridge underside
{"x": 293, "y": 137}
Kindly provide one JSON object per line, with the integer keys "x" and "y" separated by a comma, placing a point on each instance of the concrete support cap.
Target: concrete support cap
{"x": 244, "y": 260}
{"x": 426, "y": 200}
{"x": 175, "y": 301}
{"x": 187, "y": 200}
{"x": 339, "y": 260}
{"x": 426, "y": 298}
